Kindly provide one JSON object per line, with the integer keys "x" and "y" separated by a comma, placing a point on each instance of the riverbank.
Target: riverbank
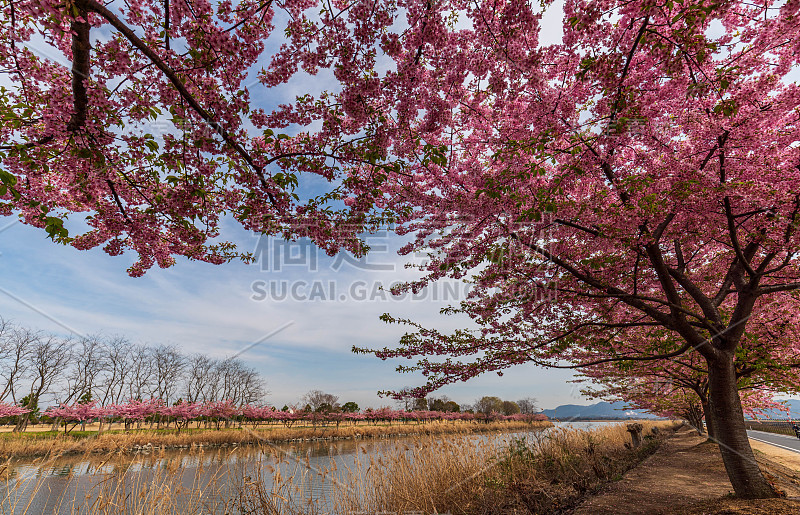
{"x": 48, "y": 443}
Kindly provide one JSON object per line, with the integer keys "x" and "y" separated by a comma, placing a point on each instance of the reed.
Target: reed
{"x": 547, "y": 472}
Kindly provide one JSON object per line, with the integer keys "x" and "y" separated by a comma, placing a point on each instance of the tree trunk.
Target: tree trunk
{"x": 709, "y": 420}
{"x": 635, "y": 430}
{"x": 22, "y": 423}
{"x": 695, "y": 421}
{"x": 33, "y": 400}
{"x": 702, "y": 429}
{"x": 729, "y": 429}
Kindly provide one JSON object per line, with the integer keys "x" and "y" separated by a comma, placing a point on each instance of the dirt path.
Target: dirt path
{"x": 686, "y": 475}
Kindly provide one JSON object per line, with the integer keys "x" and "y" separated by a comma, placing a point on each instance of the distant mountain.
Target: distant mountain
{"x": 599, "y": 410}
{"x": 603, "y": 410}
{"x": 794, "y": 411}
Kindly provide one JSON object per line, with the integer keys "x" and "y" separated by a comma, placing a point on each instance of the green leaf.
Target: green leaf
{"x": 7, "y": 178}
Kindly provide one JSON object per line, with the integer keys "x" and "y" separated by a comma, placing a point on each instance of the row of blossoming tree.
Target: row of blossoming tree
{"x": 680, "y": 386}
{"x": 135, "y": 413}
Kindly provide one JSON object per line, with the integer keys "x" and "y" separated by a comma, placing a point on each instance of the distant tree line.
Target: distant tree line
{"x": 37, "y": 367}
{"x": 485, "y": 405}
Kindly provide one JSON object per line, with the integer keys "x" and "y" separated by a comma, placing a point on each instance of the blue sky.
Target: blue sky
{"x": 217, "y": 310}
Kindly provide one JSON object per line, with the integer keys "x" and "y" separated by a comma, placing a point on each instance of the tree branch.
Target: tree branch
{"x": 684, "y": 348}
{"x": 593, "y": 232}
{"x": 185, "y": 94}
{"x": 81, "y": 46}
{"x": 774, "y": 288}
{"x": 735, "y": 238}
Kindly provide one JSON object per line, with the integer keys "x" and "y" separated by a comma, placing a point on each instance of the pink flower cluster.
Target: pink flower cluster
{"x": 227, "y": 410}
{"x": 11, "y": 410}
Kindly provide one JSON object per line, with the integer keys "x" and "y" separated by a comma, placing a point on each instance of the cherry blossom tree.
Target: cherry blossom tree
{"x": 675, "y": 395}
{"x": 640, "y": 176}
{"x": 78, "y": 412}
{"x": 11, "y": 410}
{"x": 152, "y": 130}
{"x": 644, "y": 170}
{"x": 136, "y": 410}
{"x": 220, "y": 411}
{"x": 181, "y": 413}
{"x": 760, "y": 374}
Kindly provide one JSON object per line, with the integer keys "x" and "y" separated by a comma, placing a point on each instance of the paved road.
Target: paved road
{"x": 789, "y": 443}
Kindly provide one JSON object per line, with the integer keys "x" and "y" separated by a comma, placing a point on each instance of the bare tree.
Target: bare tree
{"x": 49, "y": 358}
{"x": 117, "y": 370}
{"x": 214, "y": 383}
{"x": 168, "y": 366}
{"x": 252, "y": 387}
{"x": 200, "y": 378}
{"x": 87, "y": 366}
{"x": 141, "y": 381}
{"x": 227, "y": 370}
{"x": 237, "y": 382}
{"x": 528, "y": 406}
{"x": 15, "y": 348}
{"x": 318, "y": 399}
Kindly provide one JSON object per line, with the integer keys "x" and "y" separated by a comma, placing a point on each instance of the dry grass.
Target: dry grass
{"x": 161, "y": 492}
{"x": 545, "y": 473}
{"x": 41, "y": 444}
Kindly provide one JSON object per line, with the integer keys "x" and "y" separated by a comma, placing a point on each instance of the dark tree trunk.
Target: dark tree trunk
{"x": 709, "y": 420}
{"x": 695, "y": 421}
{"x": 81, "y": 48}
{"x": 700, "y": 427}
{"x": 22, "y": 423}
{"x": 23, "y": 420}
{"x": 729, "y": 430}
{"x": 694, "y": 415}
